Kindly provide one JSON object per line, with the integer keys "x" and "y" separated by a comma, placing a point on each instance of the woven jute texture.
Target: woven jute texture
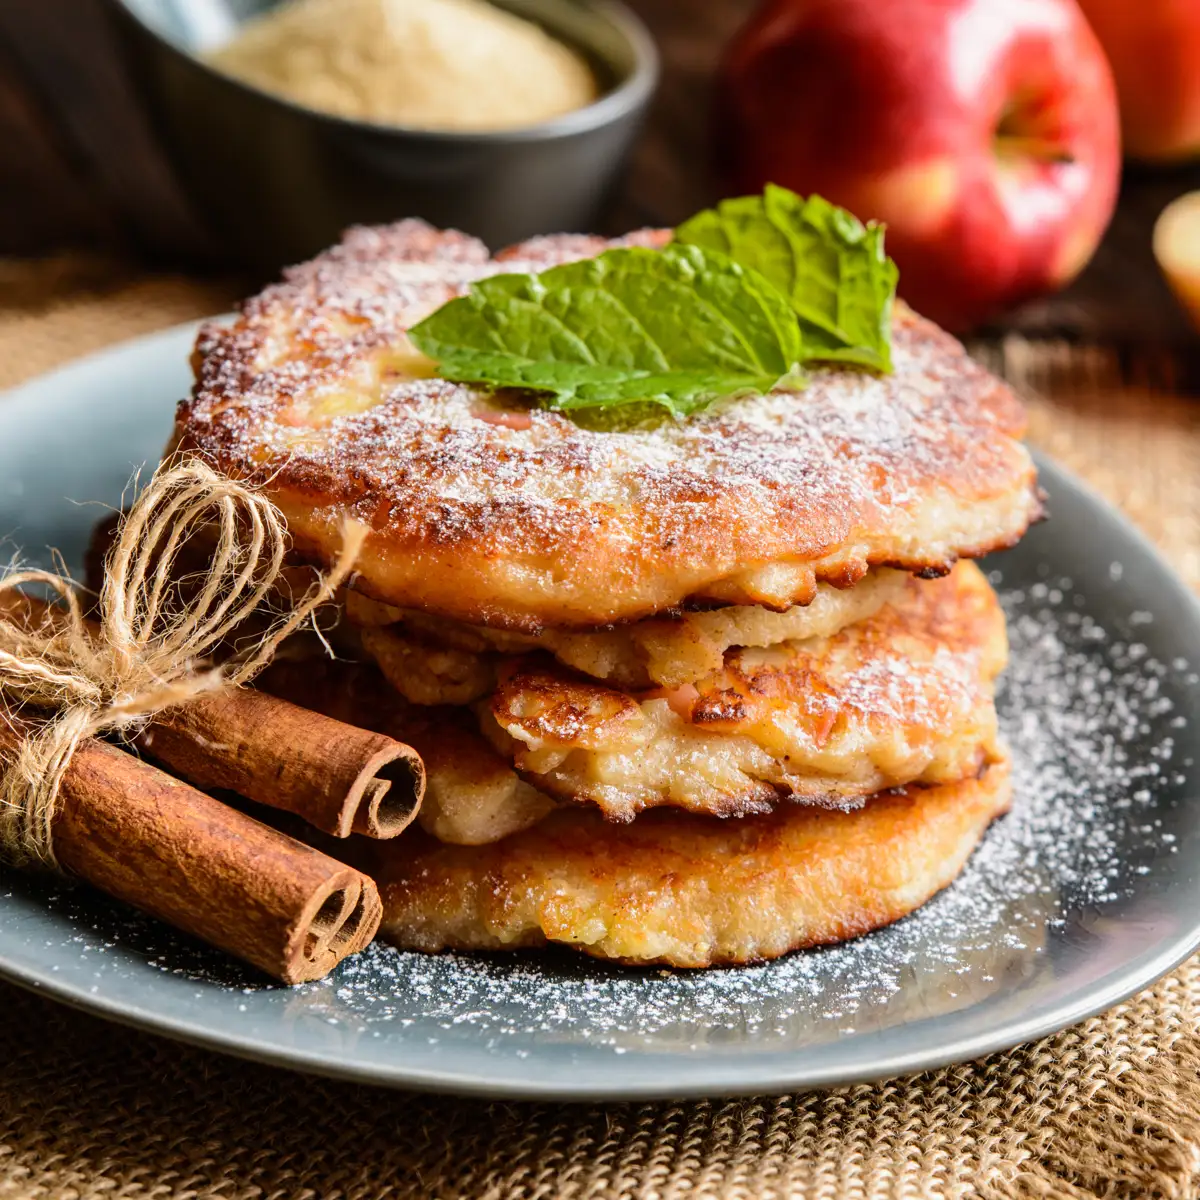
{"x": 1110, "y": 1108}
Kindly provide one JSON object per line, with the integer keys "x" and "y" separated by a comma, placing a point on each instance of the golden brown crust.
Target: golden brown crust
{"x": 903, "y": 696}
{"x": 689, "y": 891}
{"x": 493, "y": 513}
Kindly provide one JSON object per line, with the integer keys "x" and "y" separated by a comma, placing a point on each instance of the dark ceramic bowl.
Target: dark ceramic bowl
{"x": 279, "y": 181}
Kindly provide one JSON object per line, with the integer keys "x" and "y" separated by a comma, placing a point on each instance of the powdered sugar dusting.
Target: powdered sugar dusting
{"x": 1093, "y": 735}
{"x": 1100, "y": 747}
{"x": 314, "y": 392}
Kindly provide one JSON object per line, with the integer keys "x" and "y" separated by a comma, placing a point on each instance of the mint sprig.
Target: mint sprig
{"x": 746, "y": 294}
{"x": 679, "y": 327}
{"x": 831, "y": 267}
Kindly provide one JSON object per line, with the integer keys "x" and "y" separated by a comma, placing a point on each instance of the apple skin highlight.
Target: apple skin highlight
{"x": 985, "y": 133}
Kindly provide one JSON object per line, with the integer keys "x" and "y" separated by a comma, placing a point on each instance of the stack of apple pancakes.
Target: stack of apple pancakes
{"x": 689, "y": 691}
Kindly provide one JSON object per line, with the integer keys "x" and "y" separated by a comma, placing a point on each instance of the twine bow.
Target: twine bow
{"x": 151, "y": 651}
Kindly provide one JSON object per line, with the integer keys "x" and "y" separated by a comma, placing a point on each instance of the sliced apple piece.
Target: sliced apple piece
{"x": 1177, "y": 248}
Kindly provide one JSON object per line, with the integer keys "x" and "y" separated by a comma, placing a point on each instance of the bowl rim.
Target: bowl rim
{"x": 628, "y": 96}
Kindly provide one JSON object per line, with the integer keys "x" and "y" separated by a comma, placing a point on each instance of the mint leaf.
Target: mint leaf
{"x": 680, "y": 327}
{"x": 746, "y": 293}
{"x": 831, "y": 267}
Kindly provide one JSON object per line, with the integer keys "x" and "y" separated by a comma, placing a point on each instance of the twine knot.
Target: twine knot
{"x": 64, "y": 679}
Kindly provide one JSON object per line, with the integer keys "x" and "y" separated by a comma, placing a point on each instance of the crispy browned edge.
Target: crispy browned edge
{"x": 224, "y": 362}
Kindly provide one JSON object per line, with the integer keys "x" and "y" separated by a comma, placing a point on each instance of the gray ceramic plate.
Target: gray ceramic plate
{"x": 1087, "y": 892}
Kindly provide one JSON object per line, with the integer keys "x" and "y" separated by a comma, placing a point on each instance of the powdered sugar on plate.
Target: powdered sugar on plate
{"x": 1100, "y": 758}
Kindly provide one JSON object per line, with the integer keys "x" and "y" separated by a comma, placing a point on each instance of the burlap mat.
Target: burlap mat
{"x": 1110, "y": 1108}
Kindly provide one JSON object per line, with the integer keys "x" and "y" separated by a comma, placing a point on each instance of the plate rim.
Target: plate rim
{"x": 723, "y": 1077}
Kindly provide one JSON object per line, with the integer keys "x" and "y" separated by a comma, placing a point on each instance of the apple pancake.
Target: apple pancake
{"x": 684, "y": 890}
{"x": 492, "y": 511}
{"x": 905, "y": 696}
{"x": 435, "y": 660}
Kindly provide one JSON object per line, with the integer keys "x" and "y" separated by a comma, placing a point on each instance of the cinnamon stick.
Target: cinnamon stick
{"x": 137, "y": 834}
{"x": 339, "y": 778}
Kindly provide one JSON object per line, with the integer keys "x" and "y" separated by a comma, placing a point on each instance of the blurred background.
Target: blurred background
{"x": 105, "y": 173}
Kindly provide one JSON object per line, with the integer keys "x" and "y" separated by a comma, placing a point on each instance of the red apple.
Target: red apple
{"x": 1154, "y": 48}
{"x": 984, "y": 132}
